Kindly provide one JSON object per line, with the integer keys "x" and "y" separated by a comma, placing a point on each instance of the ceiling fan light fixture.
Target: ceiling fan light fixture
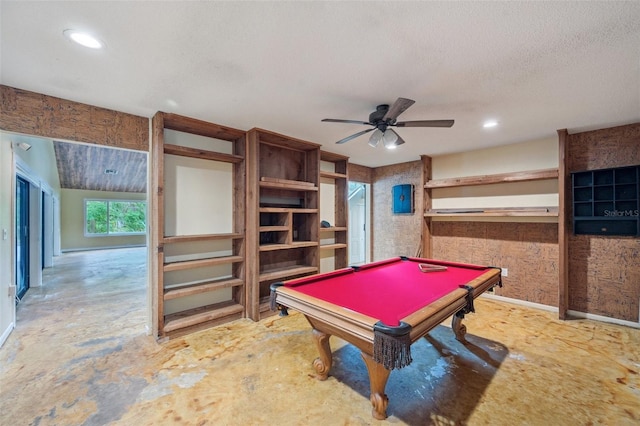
{"x": 390, "y": 139}
{"x": 375, "y": 138}
{"x": 83, "y": 39}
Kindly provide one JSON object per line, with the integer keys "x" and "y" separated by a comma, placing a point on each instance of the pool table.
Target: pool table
{"x": 382, "y": 308}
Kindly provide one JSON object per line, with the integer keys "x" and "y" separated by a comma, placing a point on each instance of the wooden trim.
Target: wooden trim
{"x": 252, "y": 221}
{"x": 492, "y": 179}
{"x": 563, "y": 226}
{"x": 426, "y": 249}
{"x": 358, "y": 173}
{"x": 156, "y": 194}
{"x": 35, "y": 114}
{"x": 185, "y": 151}
{"x": 198, "y": 127}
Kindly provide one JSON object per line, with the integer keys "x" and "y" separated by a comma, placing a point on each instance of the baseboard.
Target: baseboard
{"x": 574, "y": 314}
{"x": 102, "y": 248}
{"x": 601, "y": 318}
{"x": 6, "y": 334}
{"x": 520, "y": 302}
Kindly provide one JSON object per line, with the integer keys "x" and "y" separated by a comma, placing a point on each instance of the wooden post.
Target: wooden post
{"x": 426, "y": 205}
{"x": 563, "y": 228}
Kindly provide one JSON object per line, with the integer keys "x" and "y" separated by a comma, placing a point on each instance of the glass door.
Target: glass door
{"x": 22, "y": 237}
{"x": 357, "y": 223}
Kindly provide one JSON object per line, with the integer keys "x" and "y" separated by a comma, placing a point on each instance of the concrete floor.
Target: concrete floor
{"x": 80, "y": 355}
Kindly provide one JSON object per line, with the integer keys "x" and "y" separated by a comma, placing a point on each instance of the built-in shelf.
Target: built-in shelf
{"x": 291, "y": 271}
{"x": 333, "y": 229}
{"x": 185, "y": 151}
{"x": 495, "y": 212}
{"x": 332, "y": 175}
{"x": 193, "y": 317}
{"x": 202, "y": 287}
{"x": 203, "y": 237}
{"x": 333, "y": 246}
{"x": 200, "y": 263}
{"x": 286, "y": 210}
{"x": 293, "y": 245}
{"x": 493, "y": 179}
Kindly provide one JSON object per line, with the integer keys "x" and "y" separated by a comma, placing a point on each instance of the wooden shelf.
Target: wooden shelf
{"x": 204, "y": 287}
{"x": 332, "y": 175}
{"x": 286, "y": 210}
{"x": 293, "y": 245}
{"x": 495, "y": 212}
{"x": 200, "y": 263}
{"x": 274, "y": 228}
{"x": 290, "y": 271}
{"x": 493, "y": 179}
{"x": 203, "y": 237}
{"x": 185, "y": 151}
{"x": 288, "y": 186}
{"x": 201, "y": 315}
{"x": 334, "y": 229}
{"x": 333, "y": 246}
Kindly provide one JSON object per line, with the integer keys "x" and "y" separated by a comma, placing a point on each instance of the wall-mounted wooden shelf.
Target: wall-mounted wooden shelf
{"x": 493, "y": 179}
{"x": 495, "y": 212}
{"x": 334, "y": 229}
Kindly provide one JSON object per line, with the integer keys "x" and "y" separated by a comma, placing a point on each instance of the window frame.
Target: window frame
{"x": 108, "y": 201}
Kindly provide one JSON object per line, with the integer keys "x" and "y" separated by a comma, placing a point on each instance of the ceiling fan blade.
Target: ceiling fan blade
{"x": 348, "y": 138}
{"x": 335, "y": 120}
{"x": 425, "y": 123}
{"x": 398, "y": 107}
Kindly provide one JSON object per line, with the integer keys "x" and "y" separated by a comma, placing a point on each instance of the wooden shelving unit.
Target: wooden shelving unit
{"x": 471, "y": 213}
{"x": 282, "y": 204}
{"x": 195, "y": 253}
{"x": 337, "y": 233}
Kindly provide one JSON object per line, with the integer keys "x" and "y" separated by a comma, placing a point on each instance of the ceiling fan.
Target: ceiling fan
{"x": 385, "y": 116}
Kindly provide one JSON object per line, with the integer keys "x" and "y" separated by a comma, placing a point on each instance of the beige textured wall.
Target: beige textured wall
{"x": 395, "y": 234}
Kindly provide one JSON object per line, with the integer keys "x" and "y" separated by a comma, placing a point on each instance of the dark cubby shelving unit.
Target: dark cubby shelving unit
{"x": 605, "y": 201}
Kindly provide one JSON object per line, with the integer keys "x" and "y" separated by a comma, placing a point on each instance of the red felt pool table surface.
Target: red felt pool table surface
{"x": 388, "y": 290}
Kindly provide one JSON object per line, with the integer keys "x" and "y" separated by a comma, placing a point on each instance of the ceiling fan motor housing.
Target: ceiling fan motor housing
{"x": 376, "y": 116}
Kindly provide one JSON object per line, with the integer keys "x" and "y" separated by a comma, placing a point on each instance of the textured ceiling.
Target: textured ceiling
{"x": 534, "y": 66}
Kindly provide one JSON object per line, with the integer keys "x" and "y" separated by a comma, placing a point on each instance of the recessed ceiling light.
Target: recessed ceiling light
{"x": 490, "y": 123}
{"x": 83, "y": 39}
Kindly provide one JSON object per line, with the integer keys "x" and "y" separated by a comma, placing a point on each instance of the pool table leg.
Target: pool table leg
{"x": 378, "y": 376}
{"x": 459, "y": 328}
{"x": 323, "y": 363}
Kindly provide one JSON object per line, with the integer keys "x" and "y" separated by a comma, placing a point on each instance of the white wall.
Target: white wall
{"x": 7, "y": 305}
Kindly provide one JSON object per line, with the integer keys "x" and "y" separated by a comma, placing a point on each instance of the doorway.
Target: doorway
{"x": 359, "y": 228}
{"x": 22, "y": 237}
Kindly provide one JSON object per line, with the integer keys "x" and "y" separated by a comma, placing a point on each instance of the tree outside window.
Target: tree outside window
{"x": 106, "y": 217}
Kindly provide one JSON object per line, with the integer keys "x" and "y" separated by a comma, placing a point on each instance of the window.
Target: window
{"x": 114, "y": 217}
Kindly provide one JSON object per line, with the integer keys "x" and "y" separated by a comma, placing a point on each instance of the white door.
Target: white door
{"x": 357, "y": 223}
